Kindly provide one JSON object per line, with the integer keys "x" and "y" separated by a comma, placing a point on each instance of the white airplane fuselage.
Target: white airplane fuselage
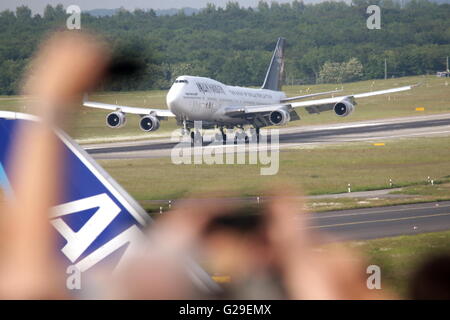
{"x": 203, "y": 99}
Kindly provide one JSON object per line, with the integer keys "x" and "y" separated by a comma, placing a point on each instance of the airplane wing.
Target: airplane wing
{"x": 309, "y": 95}
{"x": 127, "y": 109}
{"x": 315, "y": 106}
{"x": 312, "y": 106}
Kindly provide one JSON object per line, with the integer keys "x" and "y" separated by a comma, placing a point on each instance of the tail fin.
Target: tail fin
{"x": 274, "y": 74}
{"x": 97, "y": 221}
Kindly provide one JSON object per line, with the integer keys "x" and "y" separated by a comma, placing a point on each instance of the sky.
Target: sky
{"x": 38, "y": 5}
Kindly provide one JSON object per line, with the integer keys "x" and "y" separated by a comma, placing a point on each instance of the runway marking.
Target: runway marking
{"x": 375, "y": 212}
{"x": 381, "y": 220}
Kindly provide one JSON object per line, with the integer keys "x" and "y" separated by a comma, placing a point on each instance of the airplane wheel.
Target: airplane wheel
{"x": 196, "y": 139}
{"x": 192, "y": 138}
{"x": 217, "y": 137}
{"x": 239, "y": 138}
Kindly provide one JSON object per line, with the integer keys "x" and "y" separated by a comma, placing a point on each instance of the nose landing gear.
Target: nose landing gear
{"x": 196, "y": 138}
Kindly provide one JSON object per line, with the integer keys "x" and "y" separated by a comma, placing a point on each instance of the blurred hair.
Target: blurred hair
{"x": 432, "y": 279}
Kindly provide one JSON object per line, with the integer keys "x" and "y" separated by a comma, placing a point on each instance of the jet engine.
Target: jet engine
{"x": 116, "y": 119}
{"x": 149, "y": 123}
{"x": 279, "y": 117}
{"x": 343, "y": 108}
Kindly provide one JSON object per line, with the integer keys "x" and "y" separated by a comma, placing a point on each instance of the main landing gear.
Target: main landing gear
{"x": 222, "y": 136}
{"x": 195, "y": 135}
{"x": 244, "y": 136}
{"x": 196, "y": 138}
{"x": 240, "y": 135}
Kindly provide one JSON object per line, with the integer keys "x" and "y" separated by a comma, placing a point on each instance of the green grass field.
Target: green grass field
{"x": 399, "y": 257}
{"x": 433, "y": 95}
{"x": 328, "y": 169}
{"x": 416, "y": 193}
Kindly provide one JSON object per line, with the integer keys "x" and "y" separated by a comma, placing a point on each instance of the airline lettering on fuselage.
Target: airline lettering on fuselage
{"x": 208, "y": 87}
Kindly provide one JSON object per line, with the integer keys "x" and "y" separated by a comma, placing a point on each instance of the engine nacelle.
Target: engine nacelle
{"x": 279, "y": 117}
{"x": 116, "y": 119}
{"x": 149, "y": 123}
{"x": 343, "y": 108}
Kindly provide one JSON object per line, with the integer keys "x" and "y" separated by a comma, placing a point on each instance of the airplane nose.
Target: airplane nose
{"x": 173, "y": 100}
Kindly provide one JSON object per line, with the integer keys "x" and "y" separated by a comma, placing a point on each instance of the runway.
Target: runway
{"x": 381, "y": 222}
{"x": 370, "y": 223}
{"x": 290, "y": 137}
{"x": 357, "y": 224}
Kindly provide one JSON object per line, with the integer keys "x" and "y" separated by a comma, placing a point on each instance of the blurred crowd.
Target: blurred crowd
{"x": 266, "y": 251}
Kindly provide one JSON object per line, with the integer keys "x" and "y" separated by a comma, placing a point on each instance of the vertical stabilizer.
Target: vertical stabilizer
{"x": 274, "y": 74}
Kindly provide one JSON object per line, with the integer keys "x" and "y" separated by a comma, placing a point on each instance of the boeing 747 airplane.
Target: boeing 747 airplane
{"x": 221, "y": 106}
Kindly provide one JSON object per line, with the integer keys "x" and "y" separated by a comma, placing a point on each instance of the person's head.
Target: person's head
{"x": 432, "y": 279}
{"x": 236, "y": 242}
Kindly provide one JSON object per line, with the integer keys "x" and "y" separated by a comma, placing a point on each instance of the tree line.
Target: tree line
{"x": 233, "y": 44}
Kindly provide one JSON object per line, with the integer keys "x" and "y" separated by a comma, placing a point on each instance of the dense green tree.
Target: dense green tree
{"x": 234, "y": 44}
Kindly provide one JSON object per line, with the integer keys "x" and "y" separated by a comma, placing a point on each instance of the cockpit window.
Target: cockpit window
{"x": 181, "y": 81}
